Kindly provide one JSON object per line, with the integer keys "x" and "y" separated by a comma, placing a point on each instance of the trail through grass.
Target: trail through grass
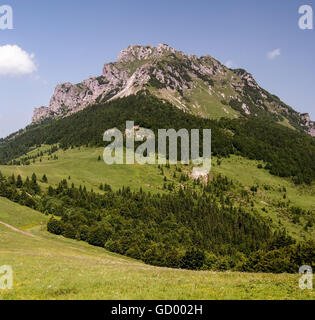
{"x": 52, "y": 267}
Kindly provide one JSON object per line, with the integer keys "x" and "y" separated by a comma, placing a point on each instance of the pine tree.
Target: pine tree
{"x": 50, "y": 191}
{"x": 19, "y": 182}
{"x": 34, "y": 178}
{"x": 13, "y": 179}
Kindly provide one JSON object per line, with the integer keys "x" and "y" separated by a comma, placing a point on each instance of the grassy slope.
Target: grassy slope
{"x": 83, "y": 167}
{"x": 51, "y": 267}
{"x": 246, "y": 172}
{"x": 18, "y": 216}
{"x": 201, "y": 102}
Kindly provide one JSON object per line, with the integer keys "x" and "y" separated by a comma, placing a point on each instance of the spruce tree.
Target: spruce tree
{"x": 34, "y": 178}
{"x": 19, "y": 182}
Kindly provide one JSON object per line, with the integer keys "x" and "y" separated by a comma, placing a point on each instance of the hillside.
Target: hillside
{"x": 230, "y": 220}
{"x": 50, "y": 267}
{"x": 91, "y": 172}
{"x": 285, "y": 152}
{"x": 254, "y": 212}
{"x": 198, "y": 85}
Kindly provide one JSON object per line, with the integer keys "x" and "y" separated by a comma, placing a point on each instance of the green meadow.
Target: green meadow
{"x": 52, "y": 267}
{"x": 82, "y": 166}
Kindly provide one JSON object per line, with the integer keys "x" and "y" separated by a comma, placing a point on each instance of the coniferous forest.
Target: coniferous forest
{"x": 195, "y": 229}
{"x": 286, "y": 153}
{"x": 200, "y": 228}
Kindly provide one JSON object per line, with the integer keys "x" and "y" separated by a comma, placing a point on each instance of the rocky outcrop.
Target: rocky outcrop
{"x": 245, "y": 108}
{"x": 308, "y": 124}
{"x": 187, "y": 81}
{"x": 40, "y": 113}
{"x": 117, "y": 80}
{"x": 133, "y": 53}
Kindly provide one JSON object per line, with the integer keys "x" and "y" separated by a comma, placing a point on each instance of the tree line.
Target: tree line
{"x": 285, "y": 152}
{"x": 189, "y": 229}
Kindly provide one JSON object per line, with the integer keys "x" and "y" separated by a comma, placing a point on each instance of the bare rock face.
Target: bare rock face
{"x": 306, "y": 118}
{"x": 133, "y": 53}
{"x": 113, "y": 76}
{"x": 187, "y": 81}
{"x": 40, "y": 113}
{"x": 117, "y": 80}
{"x": 245, "y": 108}
{"x": 308, "y": 123}
{"x": 311, "y": 131}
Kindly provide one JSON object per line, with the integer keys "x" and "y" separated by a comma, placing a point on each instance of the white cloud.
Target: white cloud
{"x": 37, "y": 77}
{"x": 274, "y": 54}
{"x": 229, "y": 64}
{"x": 14, "y": 61}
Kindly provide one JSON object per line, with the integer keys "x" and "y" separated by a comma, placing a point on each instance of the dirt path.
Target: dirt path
{"x": 17, "y": 230}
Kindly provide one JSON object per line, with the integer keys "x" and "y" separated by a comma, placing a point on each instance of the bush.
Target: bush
{"x": 69, "y": 231}
{"x": 193, "y": 260}
{"x": 83, "y": 232}
{"x": 154, "y": 255}
{"x": 134, "y": 252}
{"x": 99, "y": 234}
{"x": 55, "y": 226}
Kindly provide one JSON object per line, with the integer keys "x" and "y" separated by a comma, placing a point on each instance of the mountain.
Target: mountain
{"x": 255, "y": 210}
{"x": 198, "y": 85}
{"x": 286, "y": 152}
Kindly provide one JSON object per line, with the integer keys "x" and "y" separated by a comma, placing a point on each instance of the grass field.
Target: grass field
{"x": 270, "y": 192}
{"x": 246, "y": 172}
{"x": 51, "y": 267}
{"x": 83, "y": 168}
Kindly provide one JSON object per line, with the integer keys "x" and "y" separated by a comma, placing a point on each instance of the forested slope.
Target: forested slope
{"x": 286, "y": 153}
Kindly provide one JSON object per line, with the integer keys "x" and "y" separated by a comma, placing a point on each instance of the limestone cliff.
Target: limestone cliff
{"x": 200, "y": 85}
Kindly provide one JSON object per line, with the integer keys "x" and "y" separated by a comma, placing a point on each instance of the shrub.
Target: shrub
{"x": 99, "y": 234}
{"x": 55, "y": 226}
{"x": 193, "y": 260}
{"x": 69, "y": 231}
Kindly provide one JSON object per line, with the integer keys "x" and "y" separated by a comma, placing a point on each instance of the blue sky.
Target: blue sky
{"x": 72, "y": 39}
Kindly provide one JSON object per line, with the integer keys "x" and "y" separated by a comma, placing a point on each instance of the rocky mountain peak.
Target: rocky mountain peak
{"x": 138, "y": 52}
{"x": 135, "y": 52}
{"x": 199, "y": 85}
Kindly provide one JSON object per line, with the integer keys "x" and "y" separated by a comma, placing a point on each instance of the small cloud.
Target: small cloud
{"x": 274, "y": 54}
{"x": 14, "y": 61}
{"x": 37, "y": 77}
{"x": 229, "y": 64}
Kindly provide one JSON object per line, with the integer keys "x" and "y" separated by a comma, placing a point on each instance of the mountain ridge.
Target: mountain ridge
{"x": 198, "y": 85}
